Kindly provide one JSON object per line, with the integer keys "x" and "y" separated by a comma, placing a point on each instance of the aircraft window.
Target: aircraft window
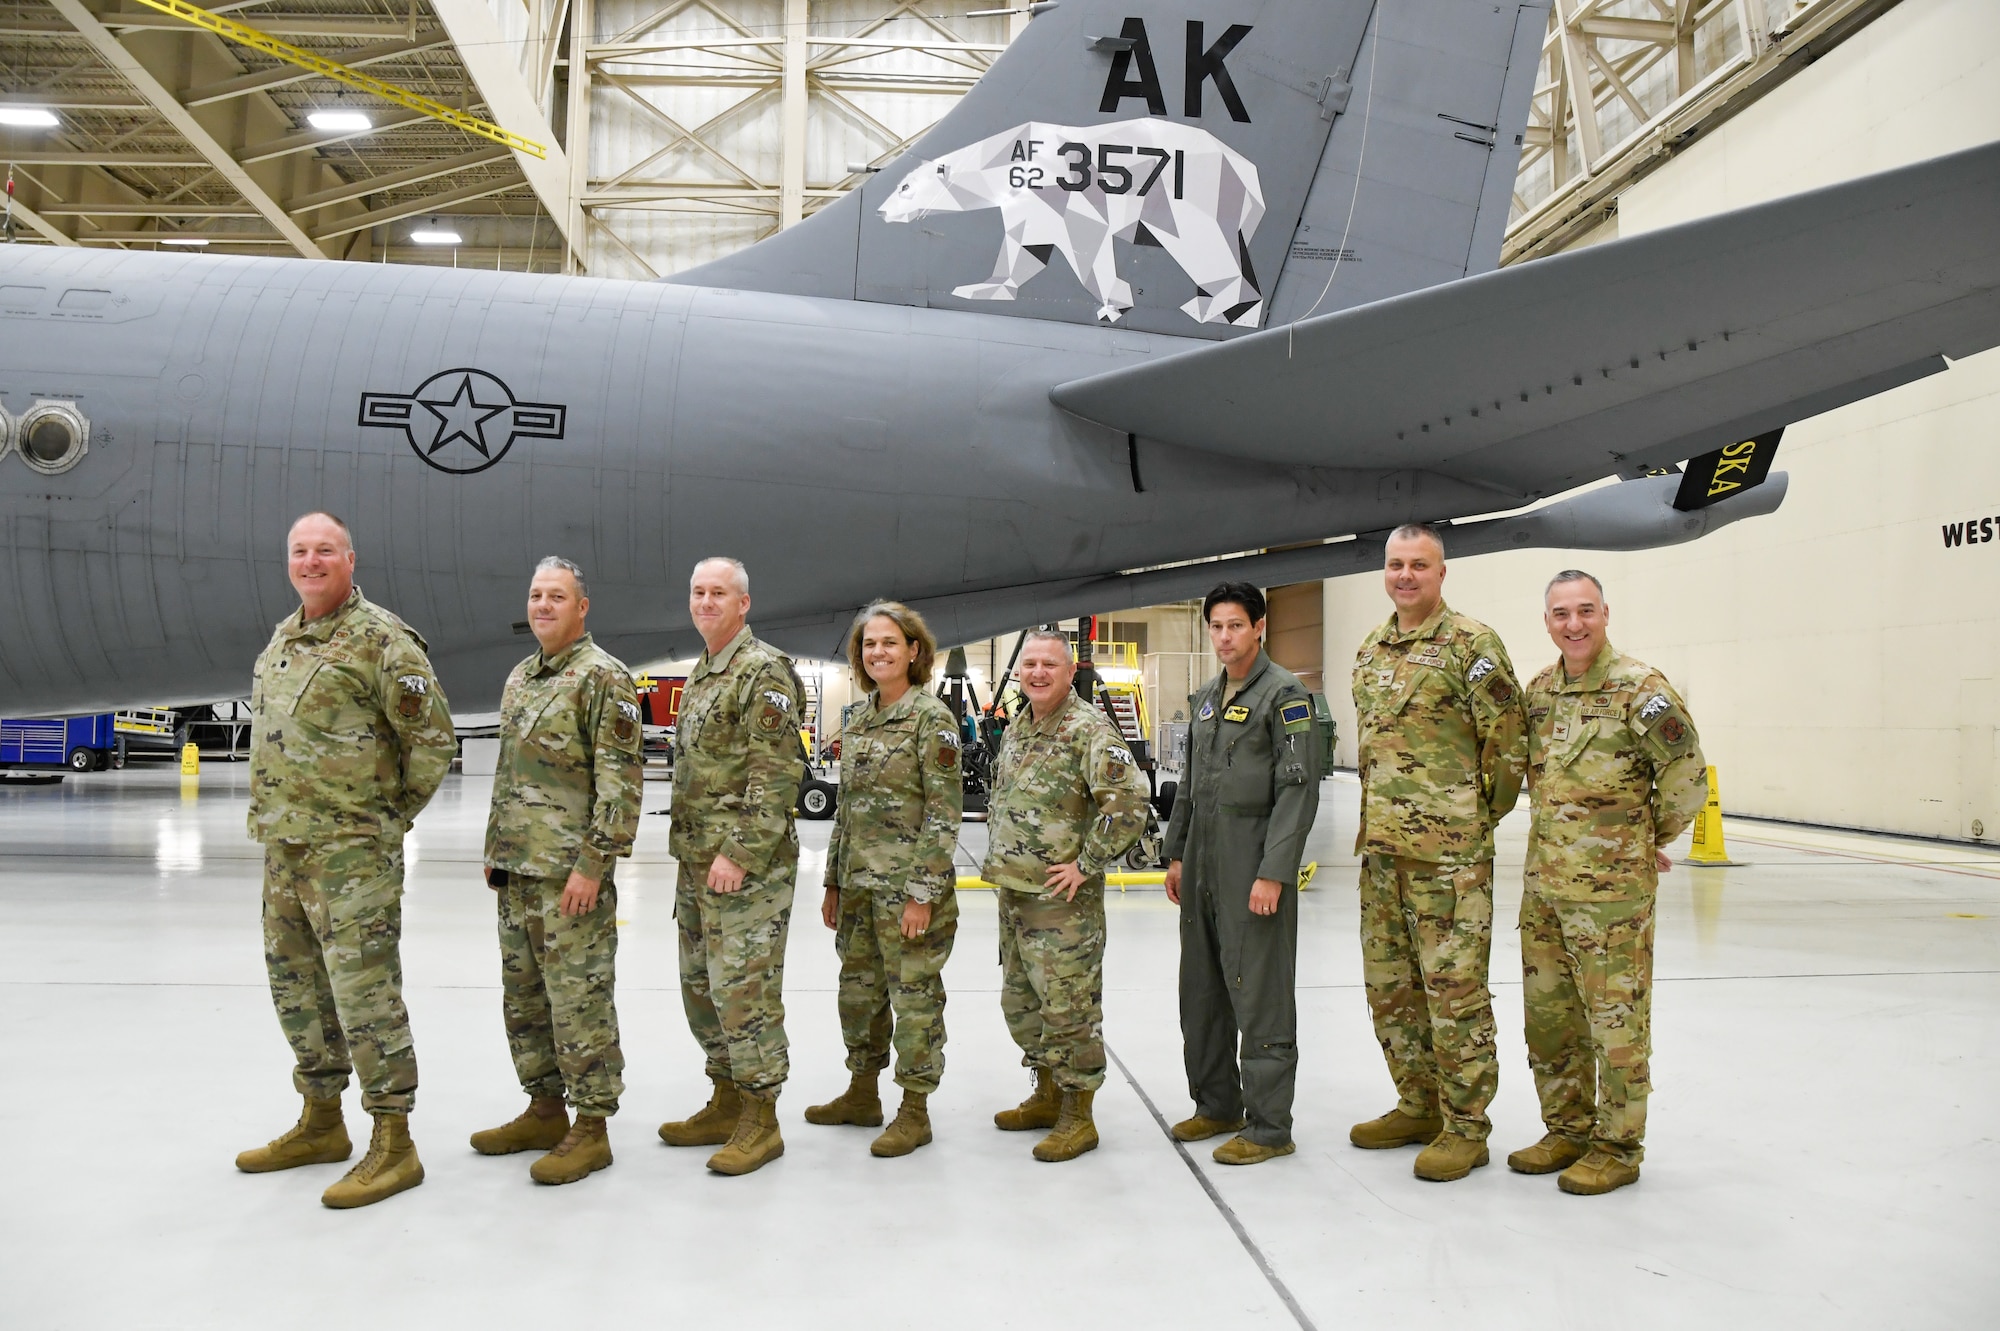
{"x": 53, "y": 436}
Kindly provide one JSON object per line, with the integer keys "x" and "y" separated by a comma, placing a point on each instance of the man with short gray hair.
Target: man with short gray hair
{"x": 1615, "y": 773}
{"x": 736, "y": 781}
{"x": 565, "y": 806}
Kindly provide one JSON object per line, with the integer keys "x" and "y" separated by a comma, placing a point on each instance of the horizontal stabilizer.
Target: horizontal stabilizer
{"x": 1551, "y": 374}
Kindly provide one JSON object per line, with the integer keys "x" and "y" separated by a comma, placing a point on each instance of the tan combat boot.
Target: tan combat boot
{"x": 1040, "y": 1110}
{"x": 756, "y": 1142}
{"x": 1243, "y": 1151}
{"x": 712, "y": 1124}
{"x": 911, "y": 1129}
{"x": 584, "y": 1150}
{"x": 1395, "y": 1128}
{"x": 1074, "y": 1132}
{"x": 1201, "y": 1127}
{"x": 1554, "y": 1151}
{"x": 1450, "y": 1157}
{"x": 1597, "y": 1173}
{"x": 318, "y": 1138}
{"x": 391, "y": 1166}
{"x": 540, "y": 1126}
{"x": 860, "y": 1104}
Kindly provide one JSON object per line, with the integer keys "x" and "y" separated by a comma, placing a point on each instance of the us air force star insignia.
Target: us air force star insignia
{"x": 462, "y": 420}
{"x": 1654, "y": 706}
{"x": 1480, "y": 670}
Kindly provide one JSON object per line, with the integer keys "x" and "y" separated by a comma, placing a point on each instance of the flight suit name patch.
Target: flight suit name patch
{"x": 1236, "y": 713}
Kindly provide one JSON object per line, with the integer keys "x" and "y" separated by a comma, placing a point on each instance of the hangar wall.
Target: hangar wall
{"x": 1839, "y": 655}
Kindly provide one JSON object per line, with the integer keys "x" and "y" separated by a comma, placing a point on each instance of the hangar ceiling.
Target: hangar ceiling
{"x": 701, "y": 126}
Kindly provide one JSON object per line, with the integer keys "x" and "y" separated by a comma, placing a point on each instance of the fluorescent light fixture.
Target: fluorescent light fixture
{"x": 29, "y": 117}
{"x": 436, "y": 238}
{"x": 339, "y": 120}
{"x": 186, "y": 242}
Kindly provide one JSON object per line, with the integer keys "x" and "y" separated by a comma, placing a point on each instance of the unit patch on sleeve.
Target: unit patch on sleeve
{"x": 1672, "y": 731}
{"x": 1297, "y": 716}
{"x": 1480, "y": 670}
{"x": 771, "y": 716}
{"x": 948, "y": 751}
{"x": 412, "y": 690}
{"x": 1654, "y": 706}
{"x": 627, "y": 724}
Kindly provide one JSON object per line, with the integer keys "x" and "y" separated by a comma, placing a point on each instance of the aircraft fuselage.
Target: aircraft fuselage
{"x": 467, "y": 423}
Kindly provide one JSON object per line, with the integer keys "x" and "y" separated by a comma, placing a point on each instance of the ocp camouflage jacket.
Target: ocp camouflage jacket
{"x": 567, "y": 791}
{"x": 1064, "y": 788}
{"x": 350, "y": 733}
{"x": 1443, "y": 740}
{"x": 737, "y": 760}
{"x": 1615, "y": 771}
{"x": 901, "y": 797}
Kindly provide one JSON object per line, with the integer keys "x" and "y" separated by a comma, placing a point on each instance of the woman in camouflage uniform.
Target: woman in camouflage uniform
{"x": 890, "y": 896}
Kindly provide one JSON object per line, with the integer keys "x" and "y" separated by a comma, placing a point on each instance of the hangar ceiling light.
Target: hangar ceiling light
{"x": 27, "y": 117}
{"x": 348, "y": 120}
{"x": 436, "y": 237}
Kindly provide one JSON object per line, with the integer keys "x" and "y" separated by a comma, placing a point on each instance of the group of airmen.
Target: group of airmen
{"x": 352, "y": 737}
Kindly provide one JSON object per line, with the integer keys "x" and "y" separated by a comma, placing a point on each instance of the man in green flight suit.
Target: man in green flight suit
{"x": 1615, "y": 772}
{"x": 351, "y": 736}
{"x": 1248, "y": 796}
{"x": 736, "y": 783}
{"x": 565, "y": 805}
{"x": 1442, "y": 748}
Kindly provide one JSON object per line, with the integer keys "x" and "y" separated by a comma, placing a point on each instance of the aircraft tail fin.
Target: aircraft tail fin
{"x": 1191, "y": 170}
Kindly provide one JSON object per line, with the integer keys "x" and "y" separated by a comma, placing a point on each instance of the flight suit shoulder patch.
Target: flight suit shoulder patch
{"x": 1297, "y": 716}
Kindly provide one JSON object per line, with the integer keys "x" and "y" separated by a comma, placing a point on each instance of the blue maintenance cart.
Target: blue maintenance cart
{"x": 79, "y": 743}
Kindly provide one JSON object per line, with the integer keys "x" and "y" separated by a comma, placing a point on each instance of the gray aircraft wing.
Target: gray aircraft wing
{"x": 1649, "y": 350}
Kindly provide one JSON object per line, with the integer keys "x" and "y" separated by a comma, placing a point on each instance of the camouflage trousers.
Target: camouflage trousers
{"x": 333, "y": 926}
{"x": 892, "y": 983}
{"x": 1426, "y": 940}
{"x": 557, "y": 974}
{"x": 1587, "y": 984}
{"x": 1052, "y": 981}
{"x": 732, "y": 953}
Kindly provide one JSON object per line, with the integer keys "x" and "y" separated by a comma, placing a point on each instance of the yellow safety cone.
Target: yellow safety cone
{"x": 1708, "y": 850}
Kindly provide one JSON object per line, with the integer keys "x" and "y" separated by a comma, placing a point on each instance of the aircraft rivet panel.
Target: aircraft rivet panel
{"x": 52, "y": 437}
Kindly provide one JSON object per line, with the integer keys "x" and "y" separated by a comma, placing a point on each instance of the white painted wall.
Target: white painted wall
{"x": 1838, "y": 659}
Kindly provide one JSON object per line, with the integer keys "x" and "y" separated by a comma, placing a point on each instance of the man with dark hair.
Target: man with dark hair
{"x": 1442, "y": 748}
{"x": 1247, "y": 799}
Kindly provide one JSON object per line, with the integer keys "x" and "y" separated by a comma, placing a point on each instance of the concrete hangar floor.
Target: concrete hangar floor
{"x": 1822, "y": 1149}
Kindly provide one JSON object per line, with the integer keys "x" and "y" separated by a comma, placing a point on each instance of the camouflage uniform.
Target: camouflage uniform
{"x": 565, "y": 799}
{"x": 1064, "y": 788}
{"x": 351, "y": 736}
{"x": 1442, "y": 750}
{"x": 1247, "y": 801}
{"x": 736, "y": 783}
{"x": 1615, "y": 771}
{"x": 894, "y": 830}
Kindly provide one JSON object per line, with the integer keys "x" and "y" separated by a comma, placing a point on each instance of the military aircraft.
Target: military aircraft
{"x": 1178, "y": 292}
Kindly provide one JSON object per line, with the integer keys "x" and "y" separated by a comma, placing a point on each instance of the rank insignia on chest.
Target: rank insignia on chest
{"x": 1383, "y": 678}
{"x": 1559, "y": 731}
{"x": 1208, "y": 710}
{"x": 1237, "y": 713}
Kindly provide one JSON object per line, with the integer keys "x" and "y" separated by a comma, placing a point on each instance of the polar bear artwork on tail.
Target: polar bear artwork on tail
{"x": 1074, "y": 189}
